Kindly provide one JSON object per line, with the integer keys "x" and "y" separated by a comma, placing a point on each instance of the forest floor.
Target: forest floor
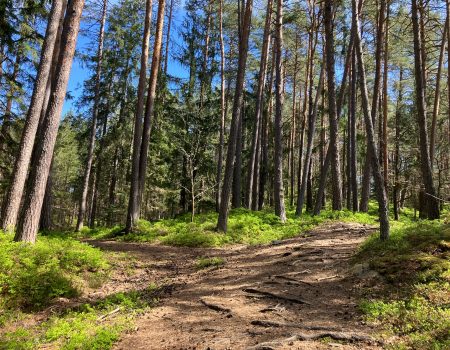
{"x": 299, "y": 293}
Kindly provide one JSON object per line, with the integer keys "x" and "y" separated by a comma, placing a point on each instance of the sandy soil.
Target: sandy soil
{"x": 287, "y": 295}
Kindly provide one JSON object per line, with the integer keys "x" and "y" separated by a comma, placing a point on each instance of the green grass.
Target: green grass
{"x": 32, "y": 276}
{"x": 415, "y": 304}
{"x": 244, "y": 227}
{"x": 86, "y": 327}
{"x": 203, "y": 263}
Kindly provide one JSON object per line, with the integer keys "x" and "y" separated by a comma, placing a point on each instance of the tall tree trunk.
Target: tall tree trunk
{"x": 14, "y": 195}
{"x": 379, "y": 183}
{"x": 222, "y": 107}
{"x": 427, "y": 173}
{"x": 385, "y": 100}
{"x": 169, "y": 27}
{"x": 310, "y": 142}
{"x": 397, "y": 188}
{"x": 252, "y": 174}
{"x": 334, "y": 129}
{"x": 365, "y": 187}
{"x": 293, "y": 136}
{"x": 279, "y": 103}
{"x": 134, "y": 201}
{"x": 235, "y": 119}
{"x": 236, "y": 199}
{"x": 34, "y": 196}
{"x": 46, "y": 214}
{"x": 93, "y": 131}
{"x": 151, "y": 95}
{"x": 352, "y": 140}
{"x": 437, "y": 95}
{"x": 205, "y": 55}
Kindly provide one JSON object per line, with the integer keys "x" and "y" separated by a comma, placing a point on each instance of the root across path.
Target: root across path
{"x": 293, "y": 294}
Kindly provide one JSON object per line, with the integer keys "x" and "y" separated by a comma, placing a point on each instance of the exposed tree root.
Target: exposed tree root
{"x": 215, "y": 307}
{"x": 276, "y": 296}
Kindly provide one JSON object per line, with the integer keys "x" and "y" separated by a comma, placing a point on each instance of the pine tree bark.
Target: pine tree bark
{"x": 279, "y": 103}
{"x": 427, "y": 174}
{"x": 222, "y": 107}
{"x": 14, "y": 195}
{"x": 396, "y": 189}
{"x": 235, "y": 119}
{"x": 169, "y": 27}
{"x": 383, "y": 209}
{"x": 34, "y": 196}
{"x": 252, "y": 176}
{"x": 334, "y": 129}
{"x": 134, "y": 200}
{"x": 93, "y": 131}
{"x": 352, "y": 140}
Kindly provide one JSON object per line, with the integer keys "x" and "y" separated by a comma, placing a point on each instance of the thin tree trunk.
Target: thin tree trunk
{"x": 34, "y": 196}
{"x": 169, "y": 27}
{"x": 293, "y": 128}
{"x": 437, "y": 96}
{"x": 236, "y": 199}
{"x": 93, "y": 131}
{"x": 235, "y": 120}
{"x": 134, "y": 200}
{"x": 379, "y": 183}
{"x": 222, "y": 107}
{"x": 279, "y": 103}
{"x": 396, "y": 188}
{"x": 427, "y": 173}
{"x": 14, "y": 195}
{"x": 252, "y": 176}
{"x": 334, "y": 129}
{"x": 352, "y": 140}
{"x": 365, "y": 187}
{"x": 205, "y": 54}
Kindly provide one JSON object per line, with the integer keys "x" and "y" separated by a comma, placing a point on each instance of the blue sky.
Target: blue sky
{"x": 79, "y": 73}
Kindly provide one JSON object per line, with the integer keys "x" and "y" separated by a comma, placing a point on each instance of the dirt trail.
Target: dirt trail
{"x": 287, "y": 295}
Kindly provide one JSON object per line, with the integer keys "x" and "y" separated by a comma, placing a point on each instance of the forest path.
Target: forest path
{"x": 286, "y": 295}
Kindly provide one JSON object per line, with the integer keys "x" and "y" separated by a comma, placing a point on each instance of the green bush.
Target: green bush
{"x": 31, "y": 276}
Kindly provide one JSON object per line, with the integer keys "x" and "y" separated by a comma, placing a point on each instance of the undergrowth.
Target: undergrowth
{"x": 89, "y": 326}
{"x": 414, "y": 306}
{"x": 244, "y": 227}
{"x": 203, "y": 263}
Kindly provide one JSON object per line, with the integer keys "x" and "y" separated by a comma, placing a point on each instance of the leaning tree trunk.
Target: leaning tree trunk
{"x": 14, "y": 195}
{"x": 332, "y": 109}
{"x": 90, "y": 154}
{"x": 365, "y": 187}
{"x": 279, "y": 102}
{"x": 427, "y": 173}
{"x": 133, "y": 203}
{"x": 379, "y": 183}
{"x": 34, "y": 196}
{"x": 235, "y": 119}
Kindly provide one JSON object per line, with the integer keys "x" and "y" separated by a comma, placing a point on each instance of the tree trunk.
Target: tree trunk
{"x": 427, "y": 173}
{"x": 365, "y": 187}
{"x": 235, "y": 120}
{"x": 34, "y": 196}
{"x": 385, "y": 100}
{"x": 252, "y": 174}
{"x": 37, "y": 105}
{"x": 169, "y": 27}
{"x": 222, "y": 107}
{"x": 93, "y": 131}
{"x": 279, "y": 103}
{"x": 396, "y": 188}
{"x": 379, "y": 183}
{"x": 332, "y": 109}
{"x": 134, "y": 200}
{"x": 236, "y": 199}
{"x": 352, "y": 140}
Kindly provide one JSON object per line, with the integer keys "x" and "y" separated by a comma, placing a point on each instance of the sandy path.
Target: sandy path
{"x": 264, "y": 297}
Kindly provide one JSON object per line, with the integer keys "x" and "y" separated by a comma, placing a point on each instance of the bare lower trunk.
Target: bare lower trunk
{"x": 279, "y": 102}
{"x": 34, "y": 196}
{"x": 379, "y": 183}
{"x": 427, "y": 173}
{"x": 134, "y": 200}
{"x": 235, "y": 121}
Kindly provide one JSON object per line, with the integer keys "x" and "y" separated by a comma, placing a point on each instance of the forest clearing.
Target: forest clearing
{"x": 225, "y": 174}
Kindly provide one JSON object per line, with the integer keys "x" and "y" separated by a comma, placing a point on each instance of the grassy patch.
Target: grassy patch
{"x": 203, "y": 263}
{"x": 415, "y": 305}
{"x": 244, "y": 227}
{"x": 31, "y": 276}
{"x": 87, "y": 327}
